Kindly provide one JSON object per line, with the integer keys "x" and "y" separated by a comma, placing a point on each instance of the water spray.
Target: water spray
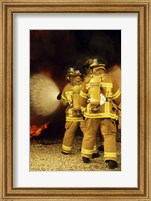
{"x": 43, "y": 95}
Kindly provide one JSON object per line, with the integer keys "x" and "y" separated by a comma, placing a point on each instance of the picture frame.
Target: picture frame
{"x": 8, "y": 9}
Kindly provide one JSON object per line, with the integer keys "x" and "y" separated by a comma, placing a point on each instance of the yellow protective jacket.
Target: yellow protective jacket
{"x": 67, "y": 98}
{"x": 112, "y": 96}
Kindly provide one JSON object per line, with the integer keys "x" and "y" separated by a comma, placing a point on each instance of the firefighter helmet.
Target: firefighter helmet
{"x": 93, "y": 63}
{"x": 72, "y": 72}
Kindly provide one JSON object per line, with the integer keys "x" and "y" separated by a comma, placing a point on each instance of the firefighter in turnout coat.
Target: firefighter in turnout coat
{"x": 99, "y": 98}
{"x": 74, "y": 117}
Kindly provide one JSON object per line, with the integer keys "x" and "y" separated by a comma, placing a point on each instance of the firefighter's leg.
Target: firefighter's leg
{"x": 95, "y": 152}
{"x": 89, "y": 138}
{"x": 108, "y": 129}
{"x": 83, "y": 129}
{"x": 83, "y": 126}
{"x": 69, "y": 136}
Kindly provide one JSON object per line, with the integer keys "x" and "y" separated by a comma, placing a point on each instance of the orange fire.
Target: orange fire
{"x": 36, "y": 130}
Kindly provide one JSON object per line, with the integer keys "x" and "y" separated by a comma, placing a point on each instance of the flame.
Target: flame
{"x": 36, "y": 130}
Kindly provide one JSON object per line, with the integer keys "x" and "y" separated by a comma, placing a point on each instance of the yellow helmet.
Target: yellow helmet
{"x": 93, "y": 63}
{"x": 72, "y": 72}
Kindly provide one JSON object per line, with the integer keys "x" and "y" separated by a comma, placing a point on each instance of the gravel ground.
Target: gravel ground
{"x": 48, "y": 157}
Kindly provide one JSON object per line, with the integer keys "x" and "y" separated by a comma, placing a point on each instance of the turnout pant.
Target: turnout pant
{"x": 108, "y": 130}
{"x": 68, "y": 138}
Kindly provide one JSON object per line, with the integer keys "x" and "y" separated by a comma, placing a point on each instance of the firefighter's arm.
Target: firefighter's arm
{"x": 83, "y": 96}
{"x": 116, "y": 97}
{"x": 63, "y": 99}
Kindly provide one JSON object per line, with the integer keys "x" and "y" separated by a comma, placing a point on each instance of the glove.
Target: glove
{"x": 94, "y": 108}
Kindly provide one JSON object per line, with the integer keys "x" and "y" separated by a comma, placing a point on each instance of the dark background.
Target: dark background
{"x": 53, "y": 51}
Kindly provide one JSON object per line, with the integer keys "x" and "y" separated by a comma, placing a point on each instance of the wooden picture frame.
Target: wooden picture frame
{"x": 7, "y": 10}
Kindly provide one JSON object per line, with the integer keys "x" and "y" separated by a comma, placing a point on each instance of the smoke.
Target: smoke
{"x": 57, "y": 49}
{"x": 43, "y": 93}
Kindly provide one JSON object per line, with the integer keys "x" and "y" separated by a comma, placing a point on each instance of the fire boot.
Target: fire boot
{"x": 65, "y": 153}
{"x": 86, "y": 160}
{"x": 112, "y": 164}
{"x": 95, "y": 155}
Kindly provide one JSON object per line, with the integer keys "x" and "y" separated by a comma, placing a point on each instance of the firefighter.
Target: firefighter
{"x": 100, "y": 96}
{"x": 74, "y": 117}
{"x": 88, "y": 73}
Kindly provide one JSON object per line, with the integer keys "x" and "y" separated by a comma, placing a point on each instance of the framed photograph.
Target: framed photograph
{"x": 39, "y": 41}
